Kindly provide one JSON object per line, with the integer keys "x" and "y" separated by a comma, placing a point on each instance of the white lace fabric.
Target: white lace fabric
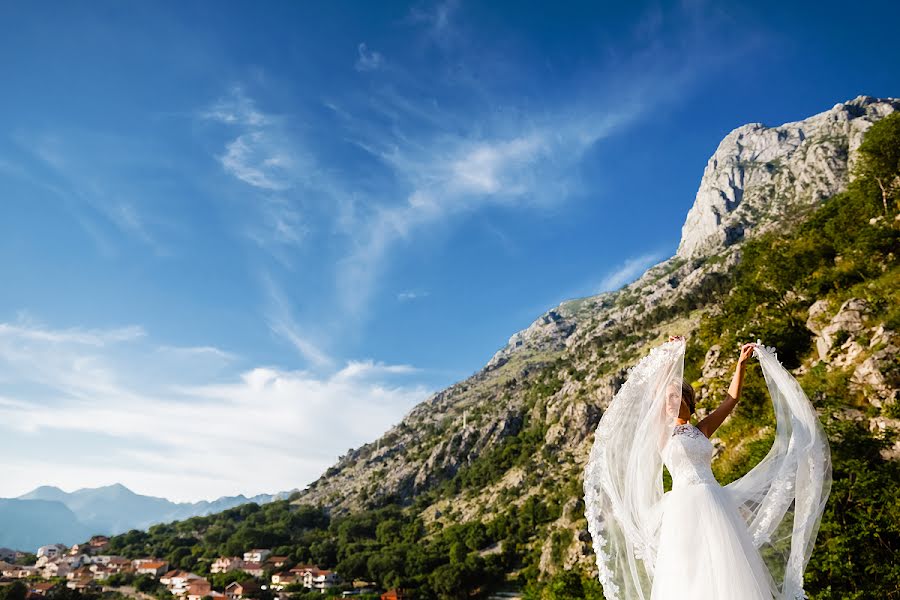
{"x": 687, "y": 456}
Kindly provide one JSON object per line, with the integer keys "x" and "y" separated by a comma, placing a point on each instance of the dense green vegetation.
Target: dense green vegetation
{"x": 18, "y": 590}
{"x": 846, "y": 248}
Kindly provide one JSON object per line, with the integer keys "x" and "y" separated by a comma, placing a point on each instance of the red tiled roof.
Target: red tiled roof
{"x": 42, "y": 585}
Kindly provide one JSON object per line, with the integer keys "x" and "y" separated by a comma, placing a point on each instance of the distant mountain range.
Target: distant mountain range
{"x": 49, "y": 515}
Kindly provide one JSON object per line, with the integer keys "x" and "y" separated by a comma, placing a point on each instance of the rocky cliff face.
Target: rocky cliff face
{"x": 757, "y": 177}
{"x": 759, "y": 174}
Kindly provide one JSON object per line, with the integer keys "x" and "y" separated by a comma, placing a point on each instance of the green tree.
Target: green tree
{"x": 879, "y": 160}
{"x": 14, "y": 591}
{"x": 449, "y": 581}
{"x": 26, "y": 559}
{"x": 146, "y": 583}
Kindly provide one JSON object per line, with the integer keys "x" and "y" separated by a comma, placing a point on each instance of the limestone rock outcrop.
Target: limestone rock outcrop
{"x": 760, "y": 174}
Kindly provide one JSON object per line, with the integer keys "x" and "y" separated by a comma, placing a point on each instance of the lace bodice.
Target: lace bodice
{"x": 687, "y": 455}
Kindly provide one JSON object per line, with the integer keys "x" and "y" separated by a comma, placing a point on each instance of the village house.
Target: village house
{"x": 180, "y": 586}
{"x": 281, "y": 580}
{"x": 315, "y": 578}
{"x": 40, "y": 588}
{"x": 118, "y": 564}
{"x": 322, "y": 580}
{"x": 224, "y": 564}
{"x": 198, "y": 589}
{"x": 80, "y": 573}
{"x": 396, "y": 594}
{"x": 166, "y": 578}
{"x": 19, "y": 571}
{"x": 210, "y": 594}
{"x": 276, "y": 562}
{"x": 83, "y": 585}
{"x": 242, "y": 590}
{"x": 149, "y": 566}
{"x": 256, "y": 555}
{"x": 101, "y": 572}
{"x": 299, "y": 570}
{"x": 253, "y": 568}
{"x": 357, "y": 592}
{"x": 55, "y": 568}
{"x": 75, "y": 561}
{"x": 360, "y": 586}
{"x": 177, "y": 581}
{"x": 51, "y": 550}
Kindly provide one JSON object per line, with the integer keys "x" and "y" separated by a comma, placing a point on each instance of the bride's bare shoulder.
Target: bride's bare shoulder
{"x": 704, "y": 429}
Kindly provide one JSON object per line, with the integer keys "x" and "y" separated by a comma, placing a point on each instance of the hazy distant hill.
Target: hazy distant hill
{"x": 48, "y": 514}
{"x": 28, "y": 524}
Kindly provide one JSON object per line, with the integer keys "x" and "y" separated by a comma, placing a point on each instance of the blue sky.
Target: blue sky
{"x": 241, "y": 238}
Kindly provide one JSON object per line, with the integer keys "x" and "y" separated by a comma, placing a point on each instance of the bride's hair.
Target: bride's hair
{"x": 688, "y": 395}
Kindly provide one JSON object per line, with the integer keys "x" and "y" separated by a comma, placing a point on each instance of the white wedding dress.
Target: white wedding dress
{"x": 748, "y": 540}
{"x": 705, "y": 549}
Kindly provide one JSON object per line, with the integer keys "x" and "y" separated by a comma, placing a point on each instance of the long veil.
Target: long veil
{"x": 781, "y": 499}
{"x": 623, "y": 477}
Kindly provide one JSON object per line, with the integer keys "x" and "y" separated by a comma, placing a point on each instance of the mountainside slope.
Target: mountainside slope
{"x": 757, "y": 179}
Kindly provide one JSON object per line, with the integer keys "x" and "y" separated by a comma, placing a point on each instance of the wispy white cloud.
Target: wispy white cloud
{"x": 436, "y": 20}
{"x": 256, "y": 159}
{"x": 452, "y": 174}
{"x": 197, "y": 352}
{"x": 26, "y": 329}
{"x": 628, "y": 271}
{"x": 83, "y": 169}
{"x": 284, "y": 427}
{"x": 236, "y": 109}
{"x": 280, "y": 318}
{"x": 260, "y": 155}
{"x": 409, "y": 295}
{"x": 264, "y": 156}
{"x": 369, "y": 368}
{"x": 368, "y": 60}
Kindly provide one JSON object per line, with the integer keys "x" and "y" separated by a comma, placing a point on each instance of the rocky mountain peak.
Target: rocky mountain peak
{"x": 760, "y": 174}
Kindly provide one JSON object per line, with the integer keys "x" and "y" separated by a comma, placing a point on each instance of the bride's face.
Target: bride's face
{"x": 673, "y": 400}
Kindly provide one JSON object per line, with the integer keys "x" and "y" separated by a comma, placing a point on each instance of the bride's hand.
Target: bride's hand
{"x": 672, "y": 338}
{"x": 746, "y": 352}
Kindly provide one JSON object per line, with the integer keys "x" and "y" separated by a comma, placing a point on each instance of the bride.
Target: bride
{"x": 748, "y": 540}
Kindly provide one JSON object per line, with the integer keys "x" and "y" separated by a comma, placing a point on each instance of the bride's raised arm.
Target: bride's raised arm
{"x": 712, "y": 421}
